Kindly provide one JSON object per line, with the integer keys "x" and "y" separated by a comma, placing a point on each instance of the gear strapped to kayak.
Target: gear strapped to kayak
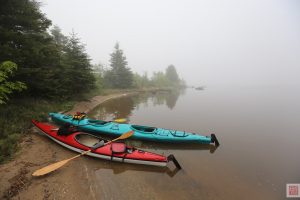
{"x": 79, "y": 116}
{"x": 66, "y": 129}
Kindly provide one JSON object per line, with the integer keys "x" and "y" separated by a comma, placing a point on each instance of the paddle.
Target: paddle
{"x": 55, "y": 166}
{"x": 121, "y": 120}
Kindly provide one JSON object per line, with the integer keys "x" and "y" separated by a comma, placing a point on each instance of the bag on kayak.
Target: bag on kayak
{"x": 79, "y": 116}
{"x": 66, "y": 129}
{"x": 118, "y": 147}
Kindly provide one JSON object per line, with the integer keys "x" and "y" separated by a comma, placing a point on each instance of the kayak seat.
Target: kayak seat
{"x": 87, "y": 140}
{"x": 118, "y": 147}
{"x": 98, "y": 145}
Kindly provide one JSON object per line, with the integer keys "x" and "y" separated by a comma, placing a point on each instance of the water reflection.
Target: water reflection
{"x": 172, "y": 98}
{"x": 123, "y": 107}
{"x": 119, "y": 168}
{"x": 167, "y": 146}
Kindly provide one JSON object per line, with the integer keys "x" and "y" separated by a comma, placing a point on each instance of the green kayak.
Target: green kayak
{"x": 140, "y": 132}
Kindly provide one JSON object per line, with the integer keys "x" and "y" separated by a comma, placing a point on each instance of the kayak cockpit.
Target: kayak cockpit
{"x": 87, "y": 139}
{"x": 144, "y": 129}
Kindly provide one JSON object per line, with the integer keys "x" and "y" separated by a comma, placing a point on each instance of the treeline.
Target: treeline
{"x": 51, "y": 65}
{"x": 119, "y": 75}
{"x": 169, "y": 78}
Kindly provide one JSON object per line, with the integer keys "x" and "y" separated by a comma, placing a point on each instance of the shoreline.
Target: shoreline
{"x": 86, "y": 106}
{"x": 35, "y": 151}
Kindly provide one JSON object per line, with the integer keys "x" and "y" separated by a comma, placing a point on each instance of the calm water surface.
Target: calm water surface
{"x": 258, "y": 129}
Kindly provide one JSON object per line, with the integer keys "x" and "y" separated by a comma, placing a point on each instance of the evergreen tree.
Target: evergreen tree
{"x": 25, "y": 41}
{"x": 58, "y": 37}
{"x": 172, "y": 75}
{"x": 78, "y": 70}
{"x": 7, "y": 70}
{"x": 119, "y": 76}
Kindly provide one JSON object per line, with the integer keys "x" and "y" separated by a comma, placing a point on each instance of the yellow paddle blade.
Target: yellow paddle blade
{"x": 125, "y": 135}
{"x": 121, "y": 120}
{"x": 50, "y": 168}
{"x": 55, "y": 166}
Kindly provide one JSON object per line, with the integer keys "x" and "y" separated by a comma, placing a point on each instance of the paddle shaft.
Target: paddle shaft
{"x": 116, "y": 121}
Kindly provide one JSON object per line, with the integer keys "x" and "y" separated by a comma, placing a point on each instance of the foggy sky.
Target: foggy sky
{"x": 210, "y": 42}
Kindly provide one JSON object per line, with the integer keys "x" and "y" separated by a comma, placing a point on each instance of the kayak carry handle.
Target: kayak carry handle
{"x": 173, "y": 159}
{"x": 214, "y": 139}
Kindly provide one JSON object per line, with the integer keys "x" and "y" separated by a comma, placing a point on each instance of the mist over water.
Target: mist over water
{"x": 257, "y": 128}
{"x": 209, "y": 42}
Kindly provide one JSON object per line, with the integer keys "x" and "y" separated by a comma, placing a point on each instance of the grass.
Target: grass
{"x": 15, "y": 120}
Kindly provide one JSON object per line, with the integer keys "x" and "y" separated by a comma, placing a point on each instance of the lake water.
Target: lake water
{"x": 258, "y": 129}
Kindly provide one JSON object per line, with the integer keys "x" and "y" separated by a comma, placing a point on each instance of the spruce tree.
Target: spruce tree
{"x": 172, "y": 75}
{"x": 78, "y": 69}
{"x": 119, "y": 76}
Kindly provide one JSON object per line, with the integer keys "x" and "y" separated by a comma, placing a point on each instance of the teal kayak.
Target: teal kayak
{"x": 140, "y": 132}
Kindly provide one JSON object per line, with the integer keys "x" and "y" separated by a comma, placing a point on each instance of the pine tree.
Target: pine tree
{"x": 172, "y": 75}
{"x": 119, "y": 76}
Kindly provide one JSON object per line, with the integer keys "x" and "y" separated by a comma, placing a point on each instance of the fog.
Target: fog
{"x": 215, "y": 42}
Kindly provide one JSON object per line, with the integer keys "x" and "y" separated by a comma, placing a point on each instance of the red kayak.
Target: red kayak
{"x": 116, "y": 151}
